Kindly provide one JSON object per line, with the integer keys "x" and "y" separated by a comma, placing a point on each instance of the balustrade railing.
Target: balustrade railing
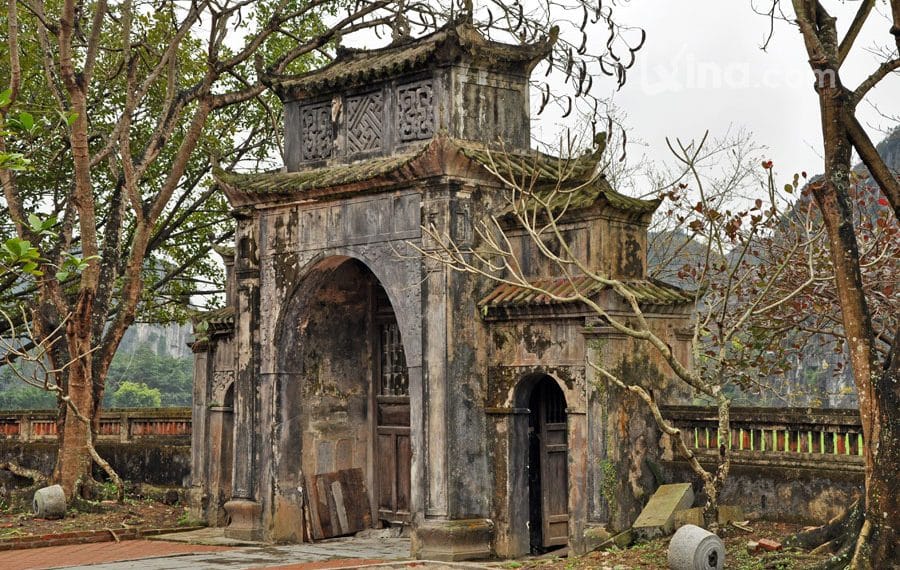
{"x": 115, "y": 425}
{"x": 798, "y": 436}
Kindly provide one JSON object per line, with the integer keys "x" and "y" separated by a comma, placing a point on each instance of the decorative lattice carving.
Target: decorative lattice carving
{"x": 221, "y": 381}
{"x": 315, "y": 124}
{"x": 365, "y": 122}
{"x": 415, "y": 110}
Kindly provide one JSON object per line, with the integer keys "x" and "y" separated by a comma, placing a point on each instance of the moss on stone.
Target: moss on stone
{"x": 608, "y": 482}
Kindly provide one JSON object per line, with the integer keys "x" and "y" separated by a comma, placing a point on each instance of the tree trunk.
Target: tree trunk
{"x": 879, "y": 541}
{"x": 878, "y": 399}
{"x": 74, "y": 460}
{"x": 711, "y": 508}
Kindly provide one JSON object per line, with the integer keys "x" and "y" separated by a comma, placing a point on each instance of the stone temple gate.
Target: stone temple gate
{"x": 350, "y": 382}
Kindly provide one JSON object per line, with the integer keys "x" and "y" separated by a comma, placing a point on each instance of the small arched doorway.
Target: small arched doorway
{"x": 548, "y": 484}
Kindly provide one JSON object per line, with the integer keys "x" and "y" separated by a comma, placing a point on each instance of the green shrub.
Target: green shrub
{"x": 136, "y": 395}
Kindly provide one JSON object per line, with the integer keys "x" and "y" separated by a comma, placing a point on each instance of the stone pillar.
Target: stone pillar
{"x": 418, "y": 489}
{"x": 243, "y": 508}
{"x": 455, "y": 525}
{"x": 198, "y": 495}
{"x": 434, "y": 307}
{"x": 578, "y": 477}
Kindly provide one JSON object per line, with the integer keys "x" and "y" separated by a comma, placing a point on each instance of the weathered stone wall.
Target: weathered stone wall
{"x": 156, "y": 463}
{"x": 469, "y": 102}
{"x": 613, "y": 244}
{"x": 624, "y": 451}
{"x": 521, "y": 352}
{"x": 212, "y": 439}
{"x": 780, "y": 493}
{"x": 326, "y": 398}
{"x": 317, "y": 265}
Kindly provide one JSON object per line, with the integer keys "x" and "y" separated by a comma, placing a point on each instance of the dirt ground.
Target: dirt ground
{"x": 652, "y": 554}
{"x": 145, "y": 514}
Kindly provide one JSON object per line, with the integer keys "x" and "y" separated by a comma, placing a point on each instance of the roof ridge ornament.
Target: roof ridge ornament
{"x": 400, "y": 32}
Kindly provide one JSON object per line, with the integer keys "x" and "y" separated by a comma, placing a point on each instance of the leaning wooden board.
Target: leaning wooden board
{"x": 338, "y": 503}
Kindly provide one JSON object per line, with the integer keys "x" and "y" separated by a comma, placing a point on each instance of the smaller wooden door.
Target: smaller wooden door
{"x": 548, "y": 409}
{"x": 393, "y": 454}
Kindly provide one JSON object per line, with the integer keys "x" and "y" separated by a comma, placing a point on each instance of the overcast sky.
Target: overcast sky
{"x": 702, "y": 68}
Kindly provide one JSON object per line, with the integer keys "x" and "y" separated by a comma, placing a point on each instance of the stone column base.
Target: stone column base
{"x": 468, "y": 539}
{"x": 197, "y": 502}
{"x": 245, "y": 520}
{"x": 594, "y": 535}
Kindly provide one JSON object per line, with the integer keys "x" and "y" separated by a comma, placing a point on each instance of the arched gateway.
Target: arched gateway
{"x": 368, "y": 385}
{"x": 343, "y": 402}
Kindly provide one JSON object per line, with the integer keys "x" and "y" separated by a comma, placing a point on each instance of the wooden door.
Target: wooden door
{"x": 393, "y": 453}
{"x": 553, "y": 463}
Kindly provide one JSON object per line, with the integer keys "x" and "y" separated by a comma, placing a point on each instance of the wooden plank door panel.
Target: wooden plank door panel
{"x": 393, "y": 458}
{"x": 554, "y": 469}
{"x": 338, "y": 504}
{"x": 385, "y": 464}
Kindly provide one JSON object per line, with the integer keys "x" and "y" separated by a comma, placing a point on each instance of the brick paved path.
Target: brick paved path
{"x": 80, "y": 554}
{"x": 160, "y": 555}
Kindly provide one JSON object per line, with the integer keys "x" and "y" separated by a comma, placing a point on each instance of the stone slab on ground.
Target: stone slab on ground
{"x": 212, "y": 536}
{"x": 658, "y": 517}
{"x": 594, "y": 536}
{"x": 692, "y": 516}
{"x": 731, "y": 513}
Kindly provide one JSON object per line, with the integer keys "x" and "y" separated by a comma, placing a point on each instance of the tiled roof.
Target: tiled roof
{"x": 316, "y": 178}
{"x": 583, "y": 188}
{"x": 450, "y": 43}
{"x": 217, "y": 319}
{"x": 574, "y": 180}
{"x": 647, "y": 291}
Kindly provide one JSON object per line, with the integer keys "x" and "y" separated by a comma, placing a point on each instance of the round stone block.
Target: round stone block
{"x": 694, "y": 548}
{"x": 49, "y": 502}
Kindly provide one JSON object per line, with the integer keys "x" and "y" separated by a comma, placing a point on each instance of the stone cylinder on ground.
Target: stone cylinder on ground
{"x": 694, "y": 548}
{"x": 49, "y": 502}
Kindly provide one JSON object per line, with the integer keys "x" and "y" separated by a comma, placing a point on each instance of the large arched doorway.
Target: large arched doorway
{"x": 548, "y": 485}
{"x": 344, "y": 401}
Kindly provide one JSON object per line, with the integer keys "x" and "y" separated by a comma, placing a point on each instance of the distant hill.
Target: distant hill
{"x": 820, "y": 376}
{"x": 162, "y": 340}
{"x": 156, "y": 357}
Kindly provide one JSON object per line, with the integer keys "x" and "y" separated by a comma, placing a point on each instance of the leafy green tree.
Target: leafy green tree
{"x": 125, "y": 108}
{"x": 172, "y": 377}
{"x": 16, "y": 395}
{"x": 136, "y": 395}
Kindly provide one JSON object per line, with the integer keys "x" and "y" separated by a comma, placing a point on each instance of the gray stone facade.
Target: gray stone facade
{"x": 302, "y": 374}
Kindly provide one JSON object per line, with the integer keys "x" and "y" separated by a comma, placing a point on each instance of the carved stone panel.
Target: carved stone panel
{"x": 316, "y": 135}
{"x": 415, "y": 110}
{"x": 221, "y": 381}
{"x": 365, "y": 122}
